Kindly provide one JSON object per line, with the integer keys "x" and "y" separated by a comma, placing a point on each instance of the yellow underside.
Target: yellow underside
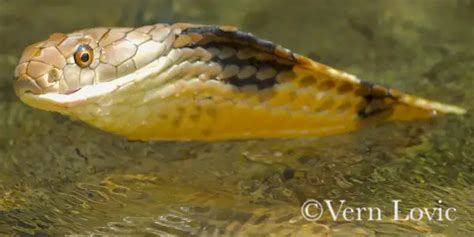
{"x": 226, "y": 121}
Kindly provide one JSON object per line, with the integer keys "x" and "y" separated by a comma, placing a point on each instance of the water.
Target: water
{"x": 59, "y": 176}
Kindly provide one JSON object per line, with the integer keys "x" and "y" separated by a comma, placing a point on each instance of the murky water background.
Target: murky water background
{"x": 59, "y": 176}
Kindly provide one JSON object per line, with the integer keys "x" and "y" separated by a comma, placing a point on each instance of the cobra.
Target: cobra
{"x": 199, "y": 82}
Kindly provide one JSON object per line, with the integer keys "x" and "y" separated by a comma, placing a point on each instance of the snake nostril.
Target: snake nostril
{"x": 54, "y": 75}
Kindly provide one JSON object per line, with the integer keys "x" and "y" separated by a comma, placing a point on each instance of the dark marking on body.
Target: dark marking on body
{"x": 261, "y": 84}
{"x": 239, "y": 40}
{"x": 378, "y": 100}
{"x": 239, "y": 37}
{"x": 252, "y": 80}
{"x": 235, "y": 35}
{"x": 252, "y": 61}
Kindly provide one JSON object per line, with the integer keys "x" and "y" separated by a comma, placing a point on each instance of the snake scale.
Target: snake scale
{"x": 201, "y": 82}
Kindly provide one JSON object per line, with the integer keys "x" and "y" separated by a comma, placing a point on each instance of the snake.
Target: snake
{"x": 186, "y": 81}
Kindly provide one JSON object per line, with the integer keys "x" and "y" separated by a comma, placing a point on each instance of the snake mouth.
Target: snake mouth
{"x": 24, "y": 84}
{"x": 72, "y": 91}
{"x": 63, "y": 100}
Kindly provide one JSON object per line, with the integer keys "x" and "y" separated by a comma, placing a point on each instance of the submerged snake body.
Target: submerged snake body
{"x": 197, "y": 82}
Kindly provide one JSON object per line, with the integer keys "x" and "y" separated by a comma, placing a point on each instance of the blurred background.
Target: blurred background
{"x": 59, "y": 176}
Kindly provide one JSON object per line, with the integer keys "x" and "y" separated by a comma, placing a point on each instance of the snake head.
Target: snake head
{"x": 66, "y": 63}
{"x": 50, "y": 66}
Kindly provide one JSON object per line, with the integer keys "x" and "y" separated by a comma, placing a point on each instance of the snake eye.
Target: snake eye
{"x": 83, "y": 55}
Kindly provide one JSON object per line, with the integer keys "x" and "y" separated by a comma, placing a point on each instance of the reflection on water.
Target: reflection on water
{"x": 59, "y": 176}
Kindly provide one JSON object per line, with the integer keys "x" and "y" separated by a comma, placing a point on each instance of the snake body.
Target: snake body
{"x": 199, "y": 82}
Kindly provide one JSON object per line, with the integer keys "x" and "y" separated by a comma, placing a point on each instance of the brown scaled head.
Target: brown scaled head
{"x": 62, "y": 64}
{"x": 65, "y": 63}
